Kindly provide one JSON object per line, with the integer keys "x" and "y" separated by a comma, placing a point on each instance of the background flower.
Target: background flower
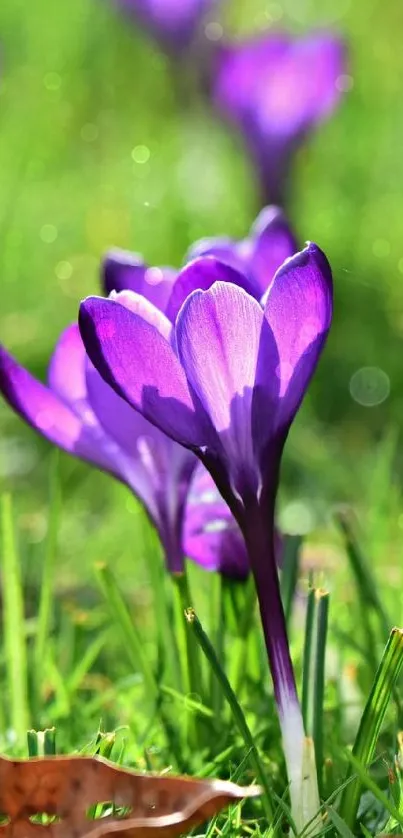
{"x": 277, "y": 88}
{"x": 171, "y": 22}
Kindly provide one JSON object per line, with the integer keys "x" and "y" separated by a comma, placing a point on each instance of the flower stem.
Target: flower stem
{"x": 258, "y": 532}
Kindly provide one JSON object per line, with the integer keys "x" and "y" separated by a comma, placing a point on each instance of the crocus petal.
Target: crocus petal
{"x": 223, "y": 340}
{"x": 200, "y": 275}
{"x": 301, "y": 89}
{"x": 299, "y": 310}
{"x": 122, "y": 270}
{"x": 66, "y": 373}
{"x": 141, "y": 306}
{"x": 259, "y": 255}
{"x": 279, "y": 83}
{"x": 272, "y": 243}
{"x": 157, "y": 469}
{"x": 155, "y": 463}
{"x": 132, "y": 433}
{"x": 45, "y": 411}
{"x": 120, "y": 421}
{"x": 238, "y": 68}
{"x": 125, "y": 271}
{"x": 215, "y": 543}
{"x": 211, "y": 536}
{"x": 136, "y": 360}
{"x": 222, "y": 247}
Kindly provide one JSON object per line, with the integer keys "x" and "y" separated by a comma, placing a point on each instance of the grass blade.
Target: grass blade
{"x": 134, "y": 647}
{"x": 290, "y": 573}
{"x": 132, "y": 641}
{"x": 367, "y": 587}
{"x": 371, "y": 722}
{"x": 338, "y": 823}
{"x": 364, "y": 779}
{"x": 192, "y": 663}
{"x": 239, "y": 652}
{"x": 168, "y": 649}
{"x": 237, "y": 712}
{"x": 313, "y": 685}
{"x": 46, "y": 594}
{"x": 192, "y": 668}
{"x": 13, "y": 625}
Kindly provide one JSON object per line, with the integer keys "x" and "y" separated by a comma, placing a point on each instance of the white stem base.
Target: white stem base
{"x": 299, "y": 755}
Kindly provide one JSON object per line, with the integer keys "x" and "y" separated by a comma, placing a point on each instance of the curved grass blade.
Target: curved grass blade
{"x": 237, "y": 712}
{"x": 371, "y": 721}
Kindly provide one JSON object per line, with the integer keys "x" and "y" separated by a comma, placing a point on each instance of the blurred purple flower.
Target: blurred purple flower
{"x": 270, "y": 242}
{"x": 277, "y": 88}
{"x": 225, "y": 380}
{"x": 173, "y": 23}
{"x": 77, "y": 411}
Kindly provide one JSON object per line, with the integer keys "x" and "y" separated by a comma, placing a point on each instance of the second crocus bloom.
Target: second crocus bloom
{"x": 277, "y": 89}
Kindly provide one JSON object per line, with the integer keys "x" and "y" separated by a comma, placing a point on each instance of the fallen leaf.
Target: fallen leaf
{"x": 66, "y": 788}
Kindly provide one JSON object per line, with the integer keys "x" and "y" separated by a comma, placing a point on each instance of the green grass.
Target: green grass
{"x": 103, "y": 683}
{"x": 79, "y": 89}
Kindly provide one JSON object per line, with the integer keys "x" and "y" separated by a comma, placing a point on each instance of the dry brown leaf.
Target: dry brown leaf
{"x": 66, "y": 787}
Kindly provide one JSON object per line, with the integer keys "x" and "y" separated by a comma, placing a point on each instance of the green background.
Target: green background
{"x": 81, "y": 87}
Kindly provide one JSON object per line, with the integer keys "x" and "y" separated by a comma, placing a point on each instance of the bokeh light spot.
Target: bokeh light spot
{"x": 63, "y": 270}
{"x": 274, "y": 12}
{"x": 214, "y": 31}
{"x": 369, "y": 386}
{"x": 48, "y": 233}
{"x": 154, "y": 276}
{"x": 141, "y": 154}
{"x": 296, "y": 518}
{"x": 344, "y": 83}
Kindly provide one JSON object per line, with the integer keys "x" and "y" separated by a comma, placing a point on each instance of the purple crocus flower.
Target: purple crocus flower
{"x": 225, "y": 379}
{"x": 276, "y": 88}
{"x": 173, "y": 23}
